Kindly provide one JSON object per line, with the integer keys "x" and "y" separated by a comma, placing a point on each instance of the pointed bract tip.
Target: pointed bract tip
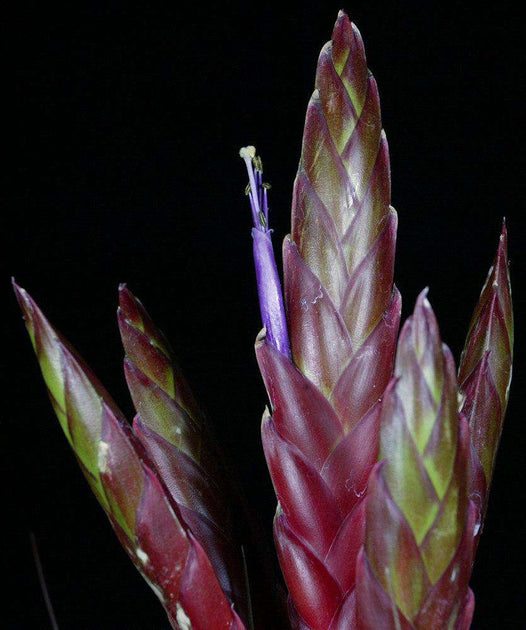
{"x": 19, "y": 291}
{"x": 138, "y": 426}
{"x": 424, "y": 310}
{"x": 391, "y": 386}
{"x": 503, "y": 238}
{"x": 423, "y": 307}
{"x": 25, "y": 301}
{"x": 344, "y": 34}
{"x": 129, "y": 305}
{"x": 125, "y": 294}
{"x": 421, "y": 327}
{"x": 261, "y": 338}
{"x": 123, "y": 298}
{"x": 342, "y": 15}
{"x": 315, "y": 97}
{"x": 500, "y": 262}
{"x": 379, "y": 466}
{"x": 267, "y": 416}
{"x": 422, "y": 300}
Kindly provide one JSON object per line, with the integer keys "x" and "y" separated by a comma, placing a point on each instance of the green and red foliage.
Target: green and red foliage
{"x": 380, "y": 454}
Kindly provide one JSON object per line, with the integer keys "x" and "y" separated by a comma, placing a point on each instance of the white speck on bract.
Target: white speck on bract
{"x": 104, "y": 448}
{"x": 319, "y": 296}
{"x": 182, "y": 618}
{"x": 304, "y": 301}
{"x": 142, "y": 555}
{"x": 349, "y": 486}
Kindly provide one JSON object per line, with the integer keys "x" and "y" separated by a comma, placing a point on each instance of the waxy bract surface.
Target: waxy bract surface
{"x": 343, "y": 314}
{"x": 391, "y": 548}
{"x": 485, "y": 374}
{"x": 381, "y": 468}
{"x": 416, "y": 565}
{"x": 154, "y": 492}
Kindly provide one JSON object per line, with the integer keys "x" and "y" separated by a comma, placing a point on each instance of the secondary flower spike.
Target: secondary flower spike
{"x": 172, "y": 429}
{"x": 415, "y": 568}
{"x": 485, "y": 373}
{"x": 130, "y": 486}
{"x": 321, "y": 435}
{"x": 267, "y": 278}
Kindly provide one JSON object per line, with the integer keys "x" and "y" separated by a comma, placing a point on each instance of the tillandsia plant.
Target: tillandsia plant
{"x": 381, "y": 457}
{"x": 380, "y": 453}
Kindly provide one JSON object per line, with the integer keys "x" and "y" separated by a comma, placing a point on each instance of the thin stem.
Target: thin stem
{"x": 42, "y": 582}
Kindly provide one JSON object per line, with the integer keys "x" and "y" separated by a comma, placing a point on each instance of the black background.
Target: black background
{"x": 125, "y": 122}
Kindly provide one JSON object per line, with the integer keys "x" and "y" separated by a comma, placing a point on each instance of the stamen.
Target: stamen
{"x": 268, "y": 282}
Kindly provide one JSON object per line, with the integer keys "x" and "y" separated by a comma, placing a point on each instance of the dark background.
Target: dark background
{"x": 123, "y": 127}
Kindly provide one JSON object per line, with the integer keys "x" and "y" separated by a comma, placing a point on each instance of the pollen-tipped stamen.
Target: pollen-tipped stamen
{"x": 268, "y": 282}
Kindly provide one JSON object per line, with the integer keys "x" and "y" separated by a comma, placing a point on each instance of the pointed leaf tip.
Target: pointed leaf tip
{"x": 129, "y": 305}
{"x": 485, "y": 369}
{"x": 23, "y": 298}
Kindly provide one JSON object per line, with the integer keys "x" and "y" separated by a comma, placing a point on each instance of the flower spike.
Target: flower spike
{"x": 173, "y": 432}
{"x": 321, "y": 437}
{"x": 416, "y": 565}
{"x": 131, "y": 488}
{"x": 485, "y": 372}
{"x": 381, "y": 455}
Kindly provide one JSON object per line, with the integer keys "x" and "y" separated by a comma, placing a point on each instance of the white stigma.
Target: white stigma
{"x": 247, "y": 152}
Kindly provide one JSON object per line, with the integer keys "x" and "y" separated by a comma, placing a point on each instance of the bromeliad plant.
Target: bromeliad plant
{"x": 380, "y": 453}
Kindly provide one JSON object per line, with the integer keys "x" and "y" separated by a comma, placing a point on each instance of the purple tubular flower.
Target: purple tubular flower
{"x": 268, "y": 282}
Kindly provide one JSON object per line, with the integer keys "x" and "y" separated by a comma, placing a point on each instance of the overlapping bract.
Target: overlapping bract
{"x": 172, "y": 429}
{"x": 343, "y": 314}
{"x": 158, "y": 503}
{"x": 390, "y": 546}
{"x": 485, "y": 373}
{"x": 415, "y": 569}
{"x": 382, "y": 481}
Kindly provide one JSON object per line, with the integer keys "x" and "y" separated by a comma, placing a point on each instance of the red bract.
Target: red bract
{"x": 485, "y": 374}
{"x": 170, "y": 535}
{"x": 343, "y": 313}
{"x": 381, "y": 468}
{"x": 391, "y": 548}
{"x": 173, "y": 433}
